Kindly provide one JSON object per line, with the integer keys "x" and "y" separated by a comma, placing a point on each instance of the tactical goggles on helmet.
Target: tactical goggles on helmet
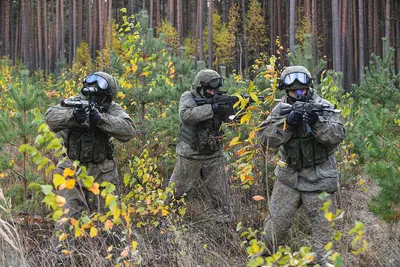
{"x": 213, "y": 83}
{"x": 101, "y": 82}
{"x": 301, "y": 77}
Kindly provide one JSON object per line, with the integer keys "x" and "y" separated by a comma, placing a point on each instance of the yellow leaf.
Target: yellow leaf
{"x": 58, "y": 180}
{"x": 134, "y": 67}
{"x": 361, "y": 182}
{"x": 94, "y": 189}
{"x": 284, "y": 125}
{"x": 62, "y": 237}
{"x": 329, "y": 216}
{"x": 68, "y": 172}
{"x": 73, "y": 221}
{"x": 145, "y": 74}
{"x": 234, "y": 141}
{"x": 252, "y": 134}
{"x": 60, "y": 201}
{"x": 164, "y": 212}
{"x": 66, "y": 252}
{"x": 110, "y": 248}
{"x": 258, "y": 198}
{"x": 109, "y": 256}
{"x": 281, "y": 163}
{"x": 93, "y": 232}
{"x": 70, "y": 184}
{"x": 125, "y": 253}
{"x": 108, "y": 225}
{"x": 245, "y": 118}
{"x": 134, "y": 245}
{"x": 241, "y": 151}
{"x": 328, "y": 246}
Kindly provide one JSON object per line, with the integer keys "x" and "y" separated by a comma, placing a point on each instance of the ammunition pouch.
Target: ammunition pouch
{"x": 306, "y": 152}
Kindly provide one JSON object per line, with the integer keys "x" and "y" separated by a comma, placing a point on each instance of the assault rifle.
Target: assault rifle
{"x": 86, "y": 91}
{"x": 304, "y": 107}
{"x": 224, "y": 99}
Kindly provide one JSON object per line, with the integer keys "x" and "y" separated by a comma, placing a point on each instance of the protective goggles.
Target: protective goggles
{"x": 292, "y": 77}
{"x": 93, "y": 78}
{"x": 213, "y": 83}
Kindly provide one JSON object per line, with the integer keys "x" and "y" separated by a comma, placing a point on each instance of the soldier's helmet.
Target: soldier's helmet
{"x": 104, "y": 82}
{"x": 207, "y": 79}
{"x": 295, "y": 77}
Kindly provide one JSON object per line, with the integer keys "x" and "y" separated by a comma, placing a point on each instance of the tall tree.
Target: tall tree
{"x": 387, "y": 27}
{"x": 335, "y": 35}
{"x": 210, "y": 34}
{"x": 292, "y": 30}
{"x": 361, "y": 37}
{"x": 314, "y": 12}
{"x": 245, "y": 40}
{"x": 39, "y": 34}
{"x": 201, "y": 46}
{"x": 179, "y": 21}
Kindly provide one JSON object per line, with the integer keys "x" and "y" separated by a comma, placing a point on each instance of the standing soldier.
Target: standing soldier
{"x": 88, "y": 133}
{"x": 307, "y": 162}
{"x": 200, "y": 162}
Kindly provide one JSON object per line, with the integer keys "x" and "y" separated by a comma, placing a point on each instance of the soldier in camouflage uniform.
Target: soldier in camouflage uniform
{"x": 88, "y": 137}
{"x": 307, "y": 164}
{"x": 200, "y": 162}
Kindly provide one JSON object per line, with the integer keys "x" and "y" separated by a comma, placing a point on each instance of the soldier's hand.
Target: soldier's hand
{"x": 294, "y": 118}
{"x": 310, "y": 117}
{"x": 221, "y": 108}
{"x": 94, "y": 115}
{"x": 80, "y": 115}
{"x": 284, "y": 109}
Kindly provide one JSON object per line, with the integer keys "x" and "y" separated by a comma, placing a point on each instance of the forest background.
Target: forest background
{"x": 154, "y": 49}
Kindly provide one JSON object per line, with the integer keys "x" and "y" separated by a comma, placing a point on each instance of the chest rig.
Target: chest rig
{"x": 89, "y": 144}
{"x": 205, "y": 137}
{"x": 303, "y": 150}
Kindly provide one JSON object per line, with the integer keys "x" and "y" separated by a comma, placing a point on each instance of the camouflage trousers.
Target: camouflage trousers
{"x": 208, "y": 176}
{"x": 285, "y": 201}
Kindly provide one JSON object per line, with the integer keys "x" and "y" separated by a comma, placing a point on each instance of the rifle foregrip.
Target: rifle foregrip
{"x": 73, "y": 104}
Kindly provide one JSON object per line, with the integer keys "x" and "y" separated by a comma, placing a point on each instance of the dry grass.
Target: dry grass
{"x": 199, "y": 242}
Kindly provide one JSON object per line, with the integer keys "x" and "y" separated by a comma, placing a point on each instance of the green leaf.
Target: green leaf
{"x": 54, "y": 144}
{"x": 47, "y": 189}
{"x": 123, "y": 10}
{"x": 57, "y": 180}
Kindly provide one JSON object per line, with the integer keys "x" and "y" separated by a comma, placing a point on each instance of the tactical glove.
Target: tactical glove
{"x": 310, "y": 117}
{"x": 94, "y": 115}
{"x": 220, "y": 108}
{"x": 294, "y": 118}
{"x": 80, "y": 115}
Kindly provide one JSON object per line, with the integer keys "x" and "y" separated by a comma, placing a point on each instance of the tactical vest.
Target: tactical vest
{"x": 205, "y": 137}
{"x": 89, "y": 145}
{"x": 305, "y": 152}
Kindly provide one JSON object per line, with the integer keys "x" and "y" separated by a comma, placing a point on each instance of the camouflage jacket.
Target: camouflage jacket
{"x": 191, "y": 117}
{"x": 315, "y": 145}
{"x": 113, "y": 123}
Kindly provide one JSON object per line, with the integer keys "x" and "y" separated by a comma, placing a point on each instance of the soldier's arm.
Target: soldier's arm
{"x": 59, "y": 118}
{"x": 190, "y": 113}
{"x": 329, "y": 130}
{"x": 273, "y": 133}
{"x": 117, "y": 123}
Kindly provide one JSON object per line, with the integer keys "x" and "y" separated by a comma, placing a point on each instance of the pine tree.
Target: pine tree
{"x": 376, "y": 133}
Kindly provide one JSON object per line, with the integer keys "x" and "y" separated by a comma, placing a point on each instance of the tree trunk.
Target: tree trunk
{"x": 335, "y": 35}
{"x": 179, "y": 21}
{"x": 370, "y": 28}
{"x": 151, "y": 13}
{"x": 210, "y": 34}
{"x": 62, "y": 30}
{"x": 245, "y": 39}
{"x": 39, "y": 33}
{"x": 376, "y": 28}
{"x": 314, "y": 10}
{"x": 387, "y": 27}
{"x": 355, "y": 35}
{"x": 171, "y": 12}
{"x": 343, "y": 40}
{"x": 349, "y": 48}
{"x": 158, "y": 15}
{"x": 201, "y": 46}
{"x": 272, "y": 26}
{"x": 361, "y": 37}
{"x": 197, "y": 29}
{"x": 292, "y": 30}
